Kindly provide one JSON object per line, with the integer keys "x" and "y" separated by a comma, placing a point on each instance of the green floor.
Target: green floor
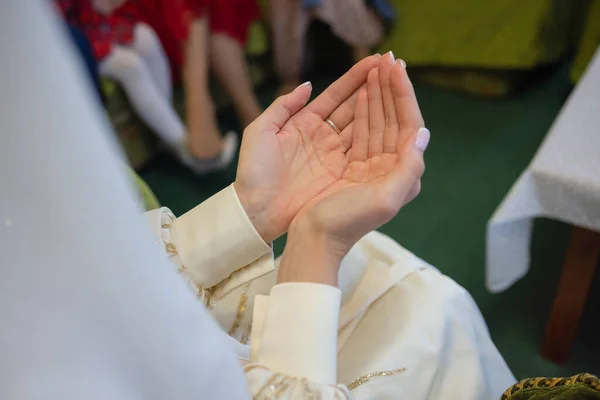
{"x": 478, "y": 149}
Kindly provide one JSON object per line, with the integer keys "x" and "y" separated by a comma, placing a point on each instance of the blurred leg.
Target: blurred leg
{"x": 204, "y": 136}
{"x": 289, "y": 24}
{"x": 147, "y": 44}
{"x": 127, "y": 67}
{"x": 229, "y": 64}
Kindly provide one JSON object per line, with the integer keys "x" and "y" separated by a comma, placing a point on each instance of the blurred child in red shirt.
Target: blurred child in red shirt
{"x": 134, "y": 41}
{"x": 199, "y": 35}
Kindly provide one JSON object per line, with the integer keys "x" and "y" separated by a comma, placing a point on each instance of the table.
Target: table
{"x": 562, "y": 182}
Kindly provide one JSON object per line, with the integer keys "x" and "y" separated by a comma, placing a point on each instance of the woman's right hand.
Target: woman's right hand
{"x": 290, "y": 153}
{"x": 384, "y": 172}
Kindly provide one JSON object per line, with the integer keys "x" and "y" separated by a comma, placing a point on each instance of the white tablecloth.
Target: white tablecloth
{"x": 562, "y": 183}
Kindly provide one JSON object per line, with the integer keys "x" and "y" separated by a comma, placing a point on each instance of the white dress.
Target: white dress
{"x": 404, "y": 329}
{"x": 91, "y": 309}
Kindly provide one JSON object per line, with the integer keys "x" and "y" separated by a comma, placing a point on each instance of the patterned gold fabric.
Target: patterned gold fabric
{"x": 582, "y": 386}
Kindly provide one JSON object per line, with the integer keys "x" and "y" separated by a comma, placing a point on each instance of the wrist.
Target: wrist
{"x": 310, "y": 256}
{"x": 257, "y": 213}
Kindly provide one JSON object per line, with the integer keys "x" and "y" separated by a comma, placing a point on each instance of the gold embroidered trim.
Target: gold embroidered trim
{"x": 308, "y": 392}
{"x": 284, "y": 383}
{"x": 366, "y": 378}
{"x": 239, "y": 315}
{"x": 204, "y": 294}
{"x": 266, "y": 386}
{"x": 170, "y": 248}
{"x": 278, "y": 384}
{"x": 246, "y": 336}
{"x": 532, "y": 383}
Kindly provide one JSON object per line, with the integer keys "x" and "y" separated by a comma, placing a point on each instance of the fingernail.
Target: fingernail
{"x": 307, "y": 83}
{"x": 423, "y": 137}
{"x": 401, "y": 61}
{"x": 391, "y": 55}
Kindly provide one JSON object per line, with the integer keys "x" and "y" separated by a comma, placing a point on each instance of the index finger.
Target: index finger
{"x": 344, "y": 87}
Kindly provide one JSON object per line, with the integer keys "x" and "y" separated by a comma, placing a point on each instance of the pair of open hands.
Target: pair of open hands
{"x": 297, "y": 174}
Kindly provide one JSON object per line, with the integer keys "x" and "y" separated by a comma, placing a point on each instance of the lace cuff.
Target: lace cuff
{"x": 265, "y": 384}
{"x": 166, "y": 220}
{"x": 210, "y": 295}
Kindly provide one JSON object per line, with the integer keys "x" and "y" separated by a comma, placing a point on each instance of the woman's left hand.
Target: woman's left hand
{"x": 383, "y": 174}
{"x": 290, "y": 154}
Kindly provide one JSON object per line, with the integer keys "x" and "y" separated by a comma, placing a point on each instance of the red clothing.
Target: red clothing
{"x": 171, "y": 19}
{"x": 230, "y": 17}
{"x": 101, "y": 30}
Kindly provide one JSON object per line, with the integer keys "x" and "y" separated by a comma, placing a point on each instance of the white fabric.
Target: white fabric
{"x": 91, "y": 309}
{"x": 221, "y": 225}
{"x": 420, "y": 320}
{"x": 147, "y": 44}
{"x": 89, "y": 306}
{"x": 299, "y": 328}
{"x": 397, "y": 312}
{"x": 562, "y": 182}
{"x": 221, "y": 250}
{"x": 142, "y": 70}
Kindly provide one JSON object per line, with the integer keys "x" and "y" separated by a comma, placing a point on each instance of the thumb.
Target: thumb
{"x": 283, "y": 108}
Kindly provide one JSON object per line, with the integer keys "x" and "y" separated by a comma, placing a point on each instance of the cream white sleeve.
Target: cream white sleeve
{"x": 215, "y": 246}
{"x": 295, "y": 331}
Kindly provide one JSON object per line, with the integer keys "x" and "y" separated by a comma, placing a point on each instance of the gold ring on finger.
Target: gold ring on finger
{"x": 332, "y": 125}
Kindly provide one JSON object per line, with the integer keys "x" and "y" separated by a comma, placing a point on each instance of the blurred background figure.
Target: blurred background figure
{"x": 128, "y": 51}
{"x": 359, "y": 23}
{"x": 137, "y": 42}
{"x": 200, "y": 35}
